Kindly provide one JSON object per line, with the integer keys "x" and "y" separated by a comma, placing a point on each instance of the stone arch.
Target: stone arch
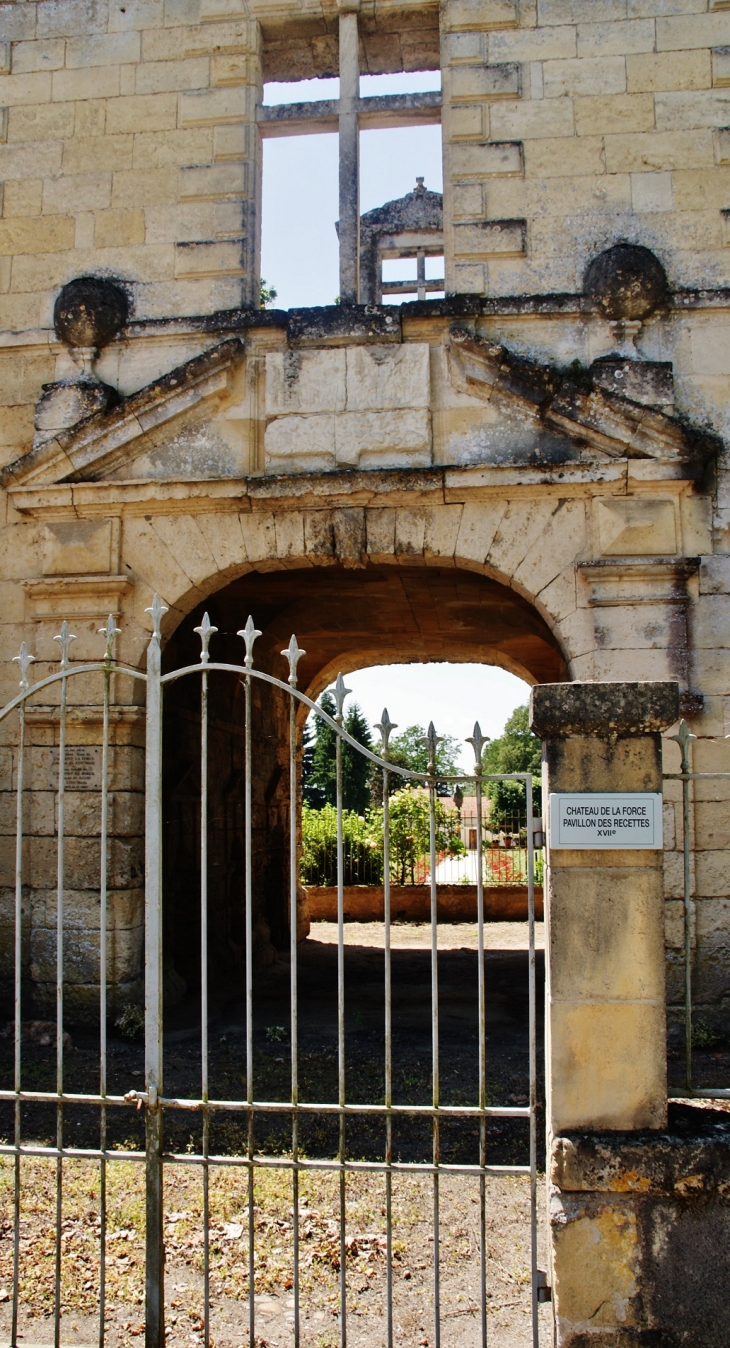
{"x": 529, "y": 544}
{"x": 343, "y": 582}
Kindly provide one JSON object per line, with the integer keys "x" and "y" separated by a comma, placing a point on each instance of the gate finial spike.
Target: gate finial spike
{"x": 477, "y": 741}
{"x": 64, "y": 639}
{"x": 386, "y": 728}
{"x": 432, "y": 742}
{"x": 111, "y": 632}
{"x": 157, "y": 609}
{"x": 293, "y": 654}
{"x": 24, "y": 659}
{"x": 249, "y": 634}
{"x": 683, "y": 738}
{"x": 341, "y": 693}
{"x": 205, "y": 632}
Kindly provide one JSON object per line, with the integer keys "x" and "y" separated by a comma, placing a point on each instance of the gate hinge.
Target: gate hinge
{"x": 538, "y": 831}
{"x": 544, "y": 1290}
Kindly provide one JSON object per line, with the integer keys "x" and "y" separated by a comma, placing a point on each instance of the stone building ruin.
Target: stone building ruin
{"x": 531, "y": 472}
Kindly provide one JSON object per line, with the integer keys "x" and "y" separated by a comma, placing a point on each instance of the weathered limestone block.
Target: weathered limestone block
{"x": 388, "y": 378}
{"x": 398, "y": 439}
{"x": 633, "y": 527}
{"x": 301, "y": 443}
{"x": 638, "y": 1220}
{"x": 305, "y": 382}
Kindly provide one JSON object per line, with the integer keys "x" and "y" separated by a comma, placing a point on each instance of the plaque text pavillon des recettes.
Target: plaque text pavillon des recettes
{"x": 612, "y": 819}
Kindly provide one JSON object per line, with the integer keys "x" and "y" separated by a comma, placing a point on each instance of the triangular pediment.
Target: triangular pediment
{"x": 176, "y": 407}
{"x": 573, "y": 405}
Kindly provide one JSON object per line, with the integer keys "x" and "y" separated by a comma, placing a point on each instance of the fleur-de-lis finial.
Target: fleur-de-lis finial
{"x": 157, "y": 610}
{"x": 432, "y": 742}
{"x": 25, "y": 660}
{"x": 205, "y": 632}
{"x": 386, "y": 728}
{"x": 684, "y": 738}
{"x": 293, "y": 654}
{"x": 64, "y": 639}
{"x": 111, "y": 632}
{"x": 341, "y": 693}
{"x": 249, "y": 634}
{"x": 477, "y": 741}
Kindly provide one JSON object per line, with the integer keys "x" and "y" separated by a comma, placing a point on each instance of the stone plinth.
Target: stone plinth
{"x": 605, "y": 911}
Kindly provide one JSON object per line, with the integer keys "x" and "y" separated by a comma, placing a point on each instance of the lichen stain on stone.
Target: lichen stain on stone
{"x": 292, "y": 366}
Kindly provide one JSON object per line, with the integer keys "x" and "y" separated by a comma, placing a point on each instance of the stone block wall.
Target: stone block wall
{"x": 82, "y": 858}
{"x": 568, "y": 123}
{"x": 130, "y": 148}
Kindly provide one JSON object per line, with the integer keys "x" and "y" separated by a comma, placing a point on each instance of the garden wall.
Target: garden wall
{"x": 412, "y": 903}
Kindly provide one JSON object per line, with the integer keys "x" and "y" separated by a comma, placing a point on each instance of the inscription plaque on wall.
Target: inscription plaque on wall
{"x": 83, "y": 767}
{"x": 609, "y": 819}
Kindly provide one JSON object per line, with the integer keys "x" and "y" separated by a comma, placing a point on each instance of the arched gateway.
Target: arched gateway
{"x": 387, "y": 486}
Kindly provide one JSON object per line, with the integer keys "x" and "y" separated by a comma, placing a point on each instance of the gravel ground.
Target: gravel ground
{"x": 507, "y": 1197}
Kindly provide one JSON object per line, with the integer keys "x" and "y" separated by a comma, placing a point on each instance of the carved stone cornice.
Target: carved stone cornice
{"x": 645, "y": 580}
{"x": 76, "y": 596}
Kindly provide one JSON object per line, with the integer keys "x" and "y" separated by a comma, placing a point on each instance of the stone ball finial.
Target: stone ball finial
{"x": 89, "y": 312}
{"x": 627, "y": 282}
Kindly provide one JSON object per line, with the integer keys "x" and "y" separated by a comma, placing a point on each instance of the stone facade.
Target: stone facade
{"x": 523, "y": 430}
{"x": 532, "y": 472}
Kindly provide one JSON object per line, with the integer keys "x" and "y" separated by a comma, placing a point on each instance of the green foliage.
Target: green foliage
{"x": 363, "y": 846}
{"x": 409, "y": 833}
{"x": 706, "y": 1036}
{"x": 267, "y": 294}
{"x": 516, "y": 750}
{"x": 363, "y": 841}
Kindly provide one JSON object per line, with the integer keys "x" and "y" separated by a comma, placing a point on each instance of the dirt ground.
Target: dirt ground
{"x": 507, "y": 1197}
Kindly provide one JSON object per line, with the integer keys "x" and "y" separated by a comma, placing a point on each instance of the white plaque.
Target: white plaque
{"x": 606, "y": 819}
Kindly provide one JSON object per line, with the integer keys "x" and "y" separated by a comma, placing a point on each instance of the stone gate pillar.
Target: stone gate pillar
{"x": 605, "y": 1013}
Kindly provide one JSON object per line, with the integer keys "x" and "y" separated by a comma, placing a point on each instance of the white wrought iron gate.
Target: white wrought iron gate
{"x": 152, "y": 1099}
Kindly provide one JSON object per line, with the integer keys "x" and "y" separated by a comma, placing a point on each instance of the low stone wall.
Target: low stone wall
{"x": 641, "y": 1234}
{"x": 412, "y": 903}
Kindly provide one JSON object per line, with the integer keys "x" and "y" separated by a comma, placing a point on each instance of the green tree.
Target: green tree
{"x": 323, "y": 781}
{"x": 355, "y": 766}
{"x": 409, "y": 750}
{"x": 516, "y": 750}
{"x": 311, "y": 793}
{"x": 319, "y": 768}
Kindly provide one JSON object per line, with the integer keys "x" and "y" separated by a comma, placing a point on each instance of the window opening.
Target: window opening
{"x": 402, "y": 82}
{"x": 299, "y": 208}
{"x": 299, "y": 91}
{"x": 356, "y": 108}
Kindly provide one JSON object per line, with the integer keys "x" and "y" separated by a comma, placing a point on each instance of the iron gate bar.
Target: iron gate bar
{"x": 24, "y": 660}
{"x": 154, "y": 1240}
{"x": 684, "y": 739}
{"x": 152, "y": 1097}
{"x": 340, "y": 693}
{"x": 111, "y": 632}
{"x": 266, "y": 1106}
{"x": 386, "y": 727}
